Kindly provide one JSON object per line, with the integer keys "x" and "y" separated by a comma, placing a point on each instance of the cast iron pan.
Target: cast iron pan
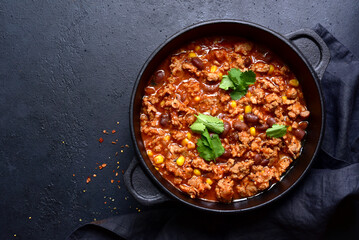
{"x": 141, "y": 186}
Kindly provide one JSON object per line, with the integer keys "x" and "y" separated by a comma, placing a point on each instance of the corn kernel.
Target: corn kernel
{"x": 197, "y": 48}
{"x": 191, "y": 145}
{"x": 233, "y": 104}
{"x": 209, "y": 181}
{"x": 167, "y": 138}
{"x": 159, "y": 159}
{"x": 197, "y": 99}
{"x": 271, "y": 69}
{"x": 294, "y": 82}
{"x": 252, "y": 131}
{"x": 284, "y": 98}
{"x": 184, "y": 142}
{"x": 192, "y": 55}
{"x": 189, "y": 135}
{"x": 240, "y": 117}
{"x": 162, "y": 103}
{"x": 197, "y": 172}
{"x": 248, "y": 109}
{"x": 213, "y": 68}
{"x": 149, "y": 153}
{"x": 180, "y": 161}
{"x": 220, "y": 75}
{"x": 289, "y": 129}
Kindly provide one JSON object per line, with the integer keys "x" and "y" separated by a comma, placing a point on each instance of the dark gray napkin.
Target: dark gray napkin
{"x": 325, "y": 205}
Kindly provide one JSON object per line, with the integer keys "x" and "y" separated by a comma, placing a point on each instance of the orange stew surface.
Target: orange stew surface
{"x": 187, "y": 83}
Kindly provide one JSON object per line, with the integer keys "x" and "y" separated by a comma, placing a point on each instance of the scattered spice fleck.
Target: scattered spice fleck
{"x": 113, "y": 142}
{"x": 63, "y": 142}
{"x": 112, "y": 180}
{"x": 116, "y": 153}
{"x": 127, "y": 146}
{"x": 84, "y": 190}
{"x": 100, "y": 140}
{"x": 102, "y": 166}
{"x": 73, "y": 174}
{"x": 14, "y": 235}
{"x": 113, "y": 131}
{"x": 118, "y": 122}
{"x": 88, "y": 180}
{"x": 105, "y": 202}
{"x": 30, "y": 218}
{"x": 119, "y": 187}
{"x": 105, "y": 132}
{"x": 116, "y": 174}
{"x": 122, "y": 151}
{"x": 80, "y": 220}
{"x": 94, "y": 175}
{"x": 94, "y": 219}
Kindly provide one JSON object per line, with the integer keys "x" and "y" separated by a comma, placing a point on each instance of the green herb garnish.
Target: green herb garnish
{"x": 277, "y": 131}
{"x": 209, "y": 148}
{"x": 238, "y": 81}
{"x": 203, "y": 121}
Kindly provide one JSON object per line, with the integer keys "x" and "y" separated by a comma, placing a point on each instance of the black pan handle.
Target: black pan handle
{"x": 141, "y": 187}
{"x": 322, "y": 59}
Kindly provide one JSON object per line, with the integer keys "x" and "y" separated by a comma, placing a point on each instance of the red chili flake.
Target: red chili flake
{"x": 102, "y": 166}
{"x": 105, "y": 202}
{"x": 118, "y": 181}
{"x": 113, "y": 142}
{"x": 113, "y": 131}
{"x": 73, "y": 174}
{"x": 123, "y": 172}
{"x": 88, "y": 180}
{"x": 100, "y": 140}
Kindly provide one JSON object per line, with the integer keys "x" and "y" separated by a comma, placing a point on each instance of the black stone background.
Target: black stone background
{"x": 67, "y": 70}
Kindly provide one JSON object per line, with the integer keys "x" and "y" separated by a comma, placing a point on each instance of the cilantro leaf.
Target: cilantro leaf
{"x": 209, "y": 148}
{"x": 212, "y": 123}
{"x": 237, "y": 94}
{"x": 198, "y": 127}
{"x": 226, "y": 83}
{"x": 238, "y": 81}
{"x": 277, "y": 131}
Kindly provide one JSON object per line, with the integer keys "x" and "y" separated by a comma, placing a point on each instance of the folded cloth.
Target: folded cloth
{"x": 325, "y": 205}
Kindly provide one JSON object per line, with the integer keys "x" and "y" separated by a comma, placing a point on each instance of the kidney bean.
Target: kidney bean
{"x": 227, "y": 127}
{"x": 226, "y": 154}
{"x": 264, "y": 162}
{"x": 165, "y": 119}
{"x": 250, "y": 117}
{"x": 247, "y": 62}
{"x": 271, "y": 121}
{"x": 210, "y": 88}
{"x": 198, "y": 63}
{"x": 159, "y": 76}
{"x": 262, "y": 127}
{"x": 299, "y": 133}
{"x": 240, "y": 126}
{"x": 303, "y": 125}
{"x": 257, "y": 158}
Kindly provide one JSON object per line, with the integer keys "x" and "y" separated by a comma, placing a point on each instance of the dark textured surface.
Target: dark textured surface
{"x": 66, "y": 73}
